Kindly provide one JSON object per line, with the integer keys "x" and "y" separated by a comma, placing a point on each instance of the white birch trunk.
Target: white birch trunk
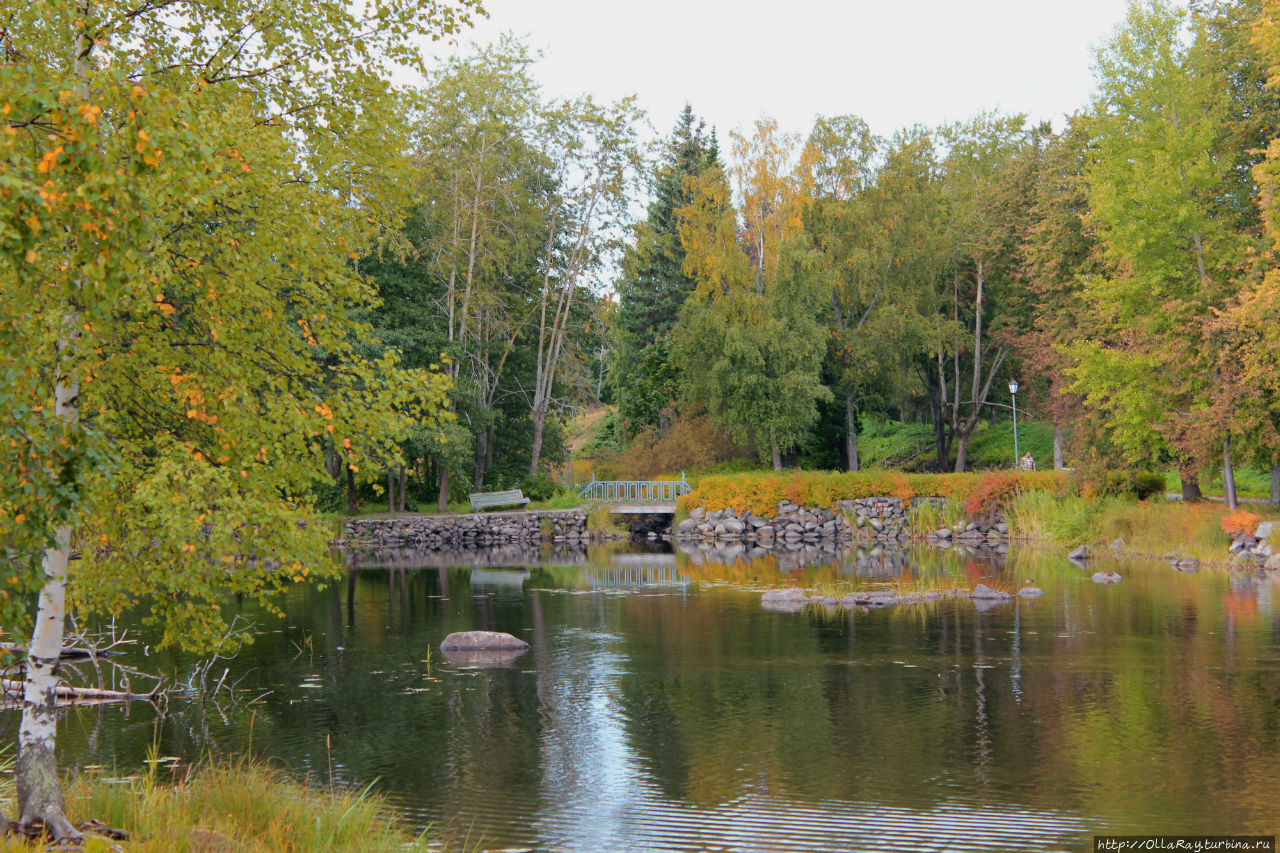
{"x": 1058, "y": 461}
{"x": 40, "y": 797}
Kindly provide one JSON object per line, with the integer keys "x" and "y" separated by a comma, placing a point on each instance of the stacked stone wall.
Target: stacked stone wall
{"x": 476, "y": 529}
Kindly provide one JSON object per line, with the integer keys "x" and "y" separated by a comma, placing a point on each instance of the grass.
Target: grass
{"x": 929, "y": 516}
{"x": 1148, "y": 527}
{"x": 600, "y": 519}
{"x": 1249, "y": 483}
{"x": 237, "y": 805}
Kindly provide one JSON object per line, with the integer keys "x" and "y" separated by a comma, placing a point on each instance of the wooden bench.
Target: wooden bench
{"x": 480, "y": 501}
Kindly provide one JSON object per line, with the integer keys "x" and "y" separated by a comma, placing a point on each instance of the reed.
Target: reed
{"x": 1153, "y": 527}
{"x": 237, "y": 804}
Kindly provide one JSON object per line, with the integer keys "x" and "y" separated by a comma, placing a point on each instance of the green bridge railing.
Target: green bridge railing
{"x": 635, "y": 491}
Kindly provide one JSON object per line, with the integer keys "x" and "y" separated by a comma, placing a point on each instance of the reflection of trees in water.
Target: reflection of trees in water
{"x": 1132, "y": 704}
{"x": 996, "y": 702}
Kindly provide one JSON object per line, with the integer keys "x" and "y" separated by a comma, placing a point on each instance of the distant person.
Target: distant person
{"x": 1028, "y": 462}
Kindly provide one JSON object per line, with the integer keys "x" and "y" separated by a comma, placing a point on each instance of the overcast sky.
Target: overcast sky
{"x": 892, "y": 63}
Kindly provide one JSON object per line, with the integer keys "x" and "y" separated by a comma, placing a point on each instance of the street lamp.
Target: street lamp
{"x": 1013, "y": 392}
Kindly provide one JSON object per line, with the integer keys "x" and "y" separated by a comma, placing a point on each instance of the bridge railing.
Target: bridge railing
{"x": 637, "y": 491}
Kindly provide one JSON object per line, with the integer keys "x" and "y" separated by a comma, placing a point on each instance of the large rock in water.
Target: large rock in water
{"x": 983, "y": 591}
{"x": 788, "y": 600}
{"x": 482, "y": 641}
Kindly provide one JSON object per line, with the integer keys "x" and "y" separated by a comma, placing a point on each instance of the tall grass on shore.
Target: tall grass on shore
{"x": 236, "y": 805}
{"x": 1147, "y": 527}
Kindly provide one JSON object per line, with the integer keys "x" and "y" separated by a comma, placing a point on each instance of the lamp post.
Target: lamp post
{"x": 1013, "y": 392}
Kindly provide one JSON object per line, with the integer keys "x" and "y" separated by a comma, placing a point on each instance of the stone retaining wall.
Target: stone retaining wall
{"x": 476, "y": 529}
{"x": 870, "y": 520}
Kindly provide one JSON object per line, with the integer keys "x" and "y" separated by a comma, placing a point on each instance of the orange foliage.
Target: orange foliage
{"x": 688, "y": 444}
{"x": 992, "y": 491}
{"x": 761, "y": 492}
{"x": 1240, "y": 522}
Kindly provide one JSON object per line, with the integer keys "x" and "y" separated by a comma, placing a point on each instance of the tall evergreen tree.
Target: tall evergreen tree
{"x": 654, "y": 283}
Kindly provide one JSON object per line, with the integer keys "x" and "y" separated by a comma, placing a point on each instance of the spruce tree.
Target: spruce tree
{"x": 653, "y": 284}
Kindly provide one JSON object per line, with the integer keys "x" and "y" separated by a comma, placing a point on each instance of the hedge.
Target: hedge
{"x": 761, "y": 492}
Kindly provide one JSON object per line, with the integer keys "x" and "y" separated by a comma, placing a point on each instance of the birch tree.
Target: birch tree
{"x": 873, "y": 215}
{"x": 982, "y": 227}
{"x": 750, "y": 337}
{"x": 476, "y": 147}
{"x": 184, "y": 185}
{"x": 593, "y": 161}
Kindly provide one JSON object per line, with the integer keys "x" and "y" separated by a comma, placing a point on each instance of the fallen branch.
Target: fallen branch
{"x": 13, "y": 688}
{"x": 67, "y": 653}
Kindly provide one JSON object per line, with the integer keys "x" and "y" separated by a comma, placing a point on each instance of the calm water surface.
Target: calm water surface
{"x": 660, "y": 707}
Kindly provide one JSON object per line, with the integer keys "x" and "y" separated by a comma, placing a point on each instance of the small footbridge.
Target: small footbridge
{"x": 637, "y": 497}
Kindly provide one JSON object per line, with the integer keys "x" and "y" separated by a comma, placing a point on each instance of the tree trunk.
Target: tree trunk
{"x": 40, "y": 797}
{"x": 404, "y": 481}
{"x": 391, "y": 489}
{"x": 442, "y": 503}
{"x": 962, "y": 452}
{"x": 535, "y": 455}
{"x": 1228, "y": 475}
{"x": 1274, "y": 497}
{"x": 1190, "y": 487}
{"x": 39, "y": 789}
{"x": 351, "y": 490}
{"x": 482, "y": 456}
{"x": 777, "y": 457}
{"x": 1058, "y": 463}
{"x": 850, "y": 434}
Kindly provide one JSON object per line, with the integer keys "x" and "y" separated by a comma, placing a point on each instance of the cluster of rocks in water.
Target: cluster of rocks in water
{"x": 794, "y": 599}
{"x": 426, "y": 532}
{"x": 1255, "y": 549}
{"x": 991, "y": 531}
{"x": 884, "y": 520}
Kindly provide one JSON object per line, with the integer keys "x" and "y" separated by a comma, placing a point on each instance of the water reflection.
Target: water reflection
{"x": 660, "y": 707}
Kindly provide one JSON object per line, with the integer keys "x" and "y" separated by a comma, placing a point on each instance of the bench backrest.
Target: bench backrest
{"x": 495, "y": 498}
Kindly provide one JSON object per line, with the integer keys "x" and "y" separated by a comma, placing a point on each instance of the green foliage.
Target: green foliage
{"x": 1138, "y": 485}
{"x": 1165, "y": 200}
{"x": 654, "y": 284}
{"x": 755, "y": 361}
{"x": 538, "y": 487}
{"x": 166, "y": 254}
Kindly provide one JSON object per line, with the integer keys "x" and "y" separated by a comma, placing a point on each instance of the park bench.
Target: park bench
{"x": 480, "y": 501}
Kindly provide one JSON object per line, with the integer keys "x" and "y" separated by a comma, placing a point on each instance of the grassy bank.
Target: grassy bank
{"x": 228, "y": 806}
{"x": 1152, "y": 527}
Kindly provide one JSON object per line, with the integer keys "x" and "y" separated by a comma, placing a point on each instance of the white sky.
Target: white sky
{"x": 893, "y": 64}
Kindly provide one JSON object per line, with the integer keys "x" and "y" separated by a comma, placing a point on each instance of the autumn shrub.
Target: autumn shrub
{"x": 1240, "y": 522}
{"x": 992, "y": 491}
{"x": 690, "y": 442}
{"x": 761, "y": 492}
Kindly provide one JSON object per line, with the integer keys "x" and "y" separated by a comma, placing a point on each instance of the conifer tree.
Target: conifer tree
{"x": 654, "y": 283}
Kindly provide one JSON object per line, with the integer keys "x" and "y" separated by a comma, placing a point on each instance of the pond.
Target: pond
{"x": 661, "y": 707}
